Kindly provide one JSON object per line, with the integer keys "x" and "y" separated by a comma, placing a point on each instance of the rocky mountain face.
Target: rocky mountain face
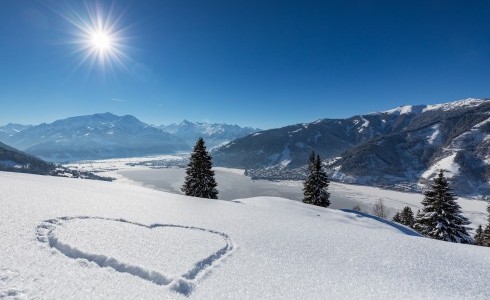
{"x": 95, "y": 137}
{"x": 400, "y": 148}
{"x": 214, "y": 134}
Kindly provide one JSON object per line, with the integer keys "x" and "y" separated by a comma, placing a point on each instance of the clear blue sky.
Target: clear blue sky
{"x": 258, "y": 63}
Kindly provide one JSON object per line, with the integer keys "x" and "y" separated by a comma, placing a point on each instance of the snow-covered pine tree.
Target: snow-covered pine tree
{"x": 316, "y": 184}
{"x": 479, "y": 239}
{"x": 441, "y": 217}
{"x": 486, "y": 232}
{"x": 407, "y": 217}
{"x": 397, "y": 218}
{"x": 199, "y": 179}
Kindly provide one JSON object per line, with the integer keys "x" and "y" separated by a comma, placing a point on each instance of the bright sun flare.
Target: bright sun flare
{"x": 101, "y": 41}
{"x": 98, "y": 37}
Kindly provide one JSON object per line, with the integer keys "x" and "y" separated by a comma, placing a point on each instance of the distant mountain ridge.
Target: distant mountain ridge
{"x": 106, "y": 135}
{"x": 214, "y": 134}
{"x": 11, "y": 129}
{"x": 95, "y": 137}
{"x": 400, "y": 147}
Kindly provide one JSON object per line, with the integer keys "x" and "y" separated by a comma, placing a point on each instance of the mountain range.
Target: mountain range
{"x": 398, "y": 148}
{"x": 214, "y": 134}
{"x": 10, "y": 130}
{"x": 403, "y": 147}
{"x": 94, "y": 137}
{"x": 106, "y": 135}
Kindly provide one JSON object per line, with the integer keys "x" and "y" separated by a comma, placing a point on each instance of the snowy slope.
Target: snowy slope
{"x": 66, "y": 238}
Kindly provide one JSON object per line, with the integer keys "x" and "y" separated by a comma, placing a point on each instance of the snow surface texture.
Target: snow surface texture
{"x": 92, "y": 233}
{"x": 68, "y": 238}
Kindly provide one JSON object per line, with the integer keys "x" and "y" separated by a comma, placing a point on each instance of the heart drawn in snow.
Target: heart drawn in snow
{"x": 165, "y": 254}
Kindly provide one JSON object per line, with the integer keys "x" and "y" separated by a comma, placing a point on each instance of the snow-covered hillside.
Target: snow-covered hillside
{"x": 399, "y": 148}
{"x": 67, "y": 238}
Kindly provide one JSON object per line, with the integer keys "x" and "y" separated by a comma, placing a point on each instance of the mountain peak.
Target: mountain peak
{"x": 465, "y": 103}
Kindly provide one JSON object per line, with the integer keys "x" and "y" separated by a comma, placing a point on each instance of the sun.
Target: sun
{"x": 101, "y": 41}
{"x": 98, "y": 37}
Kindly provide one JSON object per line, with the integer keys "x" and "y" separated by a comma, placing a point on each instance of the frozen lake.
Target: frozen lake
{"x": 231, "y": 185}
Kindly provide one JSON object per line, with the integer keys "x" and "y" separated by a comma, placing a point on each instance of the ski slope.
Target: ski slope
{"x": 67, "y": 238}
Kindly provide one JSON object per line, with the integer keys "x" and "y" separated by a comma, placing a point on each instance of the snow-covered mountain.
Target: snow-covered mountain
{"x": 213, "y": 133}
{"x": 82, "y": 239}
{"x": 400, "y": 147}
{"x": 94, "y": 137}
{"x": 11, "y": 129}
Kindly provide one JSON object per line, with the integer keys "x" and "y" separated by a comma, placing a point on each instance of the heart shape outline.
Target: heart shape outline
{"x": 183, "y": 284}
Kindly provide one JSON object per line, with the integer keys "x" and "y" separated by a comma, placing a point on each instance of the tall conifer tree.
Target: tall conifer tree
{"x": 316, "y": 184}
{"x": 441, "y": 217}
{"x": 199, "y": 180}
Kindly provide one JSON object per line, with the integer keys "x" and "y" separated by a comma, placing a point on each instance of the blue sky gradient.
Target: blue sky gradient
{"x": 255, "y": 63}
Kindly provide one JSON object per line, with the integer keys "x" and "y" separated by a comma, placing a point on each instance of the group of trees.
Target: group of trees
{"x": 482, "y": 236}
{"x": 440, "y": 218}
{"x": 405, "y": 217}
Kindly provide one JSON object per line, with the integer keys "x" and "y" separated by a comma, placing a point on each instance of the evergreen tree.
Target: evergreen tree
{"x": 407, "y": 217}
{"x": 199, "y": 179}
{"x": 397, "y": 218}
{"x": 441, "y": 217}
{"x": 308, "y": 183}
{"x": 486, "y": 232}
{"x": 311, "y": 162}
{"x": 316, "y": 184}
{"x": 479, "y": 239}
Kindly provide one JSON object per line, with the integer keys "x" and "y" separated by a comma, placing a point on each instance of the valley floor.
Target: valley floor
{"x": 233, "y": 184}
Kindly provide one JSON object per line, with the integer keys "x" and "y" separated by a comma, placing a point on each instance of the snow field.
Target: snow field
{"x": 54, "y": 230}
